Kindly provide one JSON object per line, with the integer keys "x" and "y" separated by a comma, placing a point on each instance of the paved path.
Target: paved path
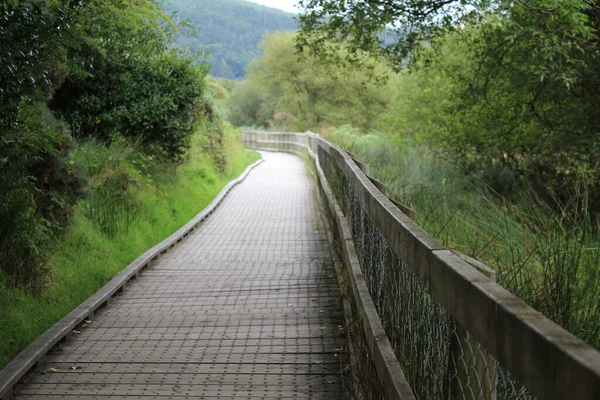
{"x": 246, "y": 307}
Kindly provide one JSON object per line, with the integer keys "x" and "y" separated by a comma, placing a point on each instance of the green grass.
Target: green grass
{"x": 125, "y": 213}
{"x": 549, "y": 261}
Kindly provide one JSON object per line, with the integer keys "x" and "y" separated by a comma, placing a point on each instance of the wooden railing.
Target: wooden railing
{"x": 430, "y": 323}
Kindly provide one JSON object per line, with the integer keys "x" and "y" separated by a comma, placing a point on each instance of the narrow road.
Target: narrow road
{"x": 246, "y": 307}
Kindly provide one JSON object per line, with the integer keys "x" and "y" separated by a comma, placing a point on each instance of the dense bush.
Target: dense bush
{"x": 33, "y": 43}
{"x": 39, "y": 188}
{"x": 127, "y": 80}
{"x": 106, "y": 68}
{"x": 151, "y": 98}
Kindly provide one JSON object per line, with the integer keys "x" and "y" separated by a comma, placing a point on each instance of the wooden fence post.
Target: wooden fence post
{"x": 473, "y": 368}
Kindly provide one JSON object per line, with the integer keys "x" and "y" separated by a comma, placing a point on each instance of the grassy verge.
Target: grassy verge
{"x": 132, "y": 205}
{"x": 550, "y": 262}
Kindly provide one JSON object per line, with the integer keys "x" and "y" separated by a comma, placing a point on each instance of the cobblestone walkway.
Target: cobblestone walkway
{"x": 246, "y": 307}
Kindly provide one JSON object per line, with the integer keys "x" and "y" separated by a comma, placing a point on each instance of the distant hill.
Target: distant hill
{"x": 230, "y": 29}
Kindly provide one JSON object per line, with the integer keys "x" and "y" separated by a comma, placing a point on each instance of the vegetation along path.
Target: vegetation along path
{"x": 246, "y": 307}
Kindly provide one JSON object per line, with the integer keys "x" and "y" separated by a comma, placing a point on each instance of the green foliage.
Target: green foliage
{"x": 31, "y": 44}
{"x": 230, "y": 30}
{"x": 90, "y": 253}
{"x": 219, "y": 88}
{"x": 40, "y": 38}
{"x": 492, "y": 111}
{"x": 108, "y": 69}
{"x": 537, "y": 80}
{"x": 39, "y": 188}
{"x": 245, "y": 104}
{"x": 125, "y": 80}
{"x": 393, "y": 30}
{"x": 152, "y": 98}
{"x": 115, "y": 178}
{"x": 497, "y": 86}
{"x": 38, "y": 184}
{"x": 298, "y": 93}
{"x": 550, "y": 263}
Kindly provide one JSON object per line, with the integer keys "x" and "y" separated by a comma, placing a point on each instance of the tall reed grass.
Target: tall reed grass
{"x": 550, "y": 261}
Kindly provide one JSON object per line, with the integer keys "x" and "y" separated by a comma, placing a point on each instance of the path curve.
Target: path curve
{"x": 246, "y": 307}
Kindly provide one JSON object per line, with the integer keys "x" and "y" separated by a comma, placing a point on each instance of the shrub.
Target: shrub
{"x": 152, "y": 99}
{"x": 107, "y": 69}
{"x": 39, "y": 188}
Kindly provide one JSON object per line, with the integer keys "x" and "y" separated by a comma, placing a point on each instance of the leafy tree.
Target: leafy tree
{"x": 501, "y": 85}
{"x": 150, "y": 98}
{"x": 245, "y": 104}
{"x": 307, "y": 90}
{"x": 392, "y": 29}
{"x": 39, "y": 186}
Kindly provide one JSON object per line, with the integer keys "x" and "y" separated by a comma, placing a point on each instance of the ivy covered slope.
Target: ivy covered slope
{"x": 109, "y": 141}
{"x": 230, "y": 30}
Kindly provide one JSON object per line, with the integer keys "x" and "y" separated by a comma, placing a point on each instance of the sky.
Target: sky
{"x": 285, "y": 5}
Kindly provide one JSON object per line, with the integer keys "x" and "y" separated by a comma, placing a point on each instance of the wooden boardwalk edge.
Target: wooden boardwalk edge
{"x": 386, "y": 363}
{"x": 539, "y": 354}
{"x": 33, "y": 355}
{"x": 388, "y": 367}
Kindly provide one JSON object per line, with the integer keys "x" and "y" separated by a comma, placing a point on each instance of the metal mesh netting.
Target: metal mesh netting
{"x": 366, "y": 381}
{"x": 441, "y": 360}
{"x": 359, "y": 365}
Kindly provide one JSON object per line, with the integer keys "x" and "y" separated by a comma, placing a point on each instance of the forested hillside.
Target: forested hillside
{"x": 230, "y": 30}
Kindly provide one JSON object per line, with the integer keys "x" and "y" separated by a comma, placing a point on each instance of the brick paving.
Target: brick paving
{"x": 246, "y": 307}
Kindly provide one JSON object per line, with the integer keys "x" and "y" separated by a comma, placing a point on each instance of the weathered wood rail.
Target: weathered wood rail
{"x": 455, "y": 332}
{"x": 422, "y": 321}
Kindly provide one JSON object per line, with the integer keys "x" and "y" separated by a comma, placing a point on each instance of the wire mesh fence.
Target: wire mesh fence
{"x": 366, "y": 381}
{"x": 441, "y": 360}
